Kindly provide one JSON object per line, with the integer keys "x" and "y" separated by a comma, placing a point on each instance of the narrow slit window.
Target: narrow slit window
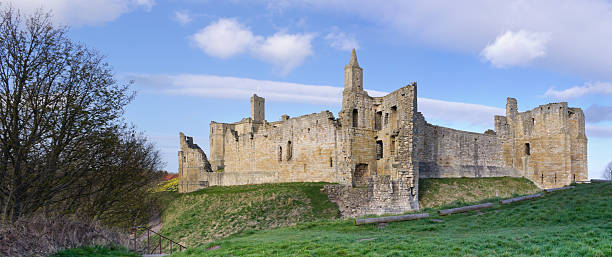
{"x": 280, "y": 153}
{"x": 355, "y": 118}
{"x": 527, "y": 149}
{"x": 289, "y": 150}
{"x": 392, "y": 146}
{"x": 379, "y": 149}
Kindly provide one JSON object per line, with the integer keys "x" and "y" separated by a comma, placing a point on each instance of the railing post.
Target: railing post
{"x": 148, "y": 243}
{"x": 160, "y": 245}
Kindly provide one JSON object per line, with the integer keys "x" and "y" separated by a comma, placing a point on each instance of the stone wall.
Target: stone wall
{"x": 450, "y": 153}
{"x": 380, "y": 196}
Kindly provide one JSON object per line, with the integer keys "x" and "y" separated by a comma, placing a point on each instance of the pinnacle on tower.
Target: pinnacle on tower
{"x": 353, "y": 61}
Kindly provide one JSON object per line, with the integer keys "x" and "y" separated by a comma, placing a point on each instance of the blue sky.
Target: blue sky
{"x": 199, "y": 61}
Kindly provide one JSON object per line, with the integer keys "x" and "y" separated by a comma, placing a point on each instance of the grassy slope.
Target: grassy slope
{"x": 575, "y": 222}
{"x": 212, "y": 213}
{"x": 437, "y": 192}
{"x": 95, "y": 251}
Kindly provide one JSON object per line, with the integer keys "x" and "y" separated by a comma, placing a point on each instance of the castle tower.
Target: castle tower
{"x": 353, "y": 75}
{"x": 258, "y": 113}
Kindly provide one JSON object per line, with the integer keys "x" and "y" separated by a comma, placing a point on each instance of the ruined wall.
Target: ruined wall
{"x": 193, "y": 165}
{"x": 238, "y": 178}
{"x": 578, "y": 145}
{"x": 301, "y": 149}
{"x": 547, "y": 144}
{"x": 450, "y": 153}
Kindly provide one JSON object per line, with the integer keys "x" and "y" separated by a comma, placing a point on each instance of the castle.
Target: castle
{"x": 379, "y": 147}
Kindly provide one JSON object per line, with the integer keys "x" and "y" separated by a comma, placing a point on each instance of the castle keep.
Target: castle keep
{"x": 378, "y": 148}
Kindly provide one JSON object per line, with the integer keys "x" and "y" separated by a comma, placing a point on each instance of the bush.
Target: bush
{"x": 41, "y": 236}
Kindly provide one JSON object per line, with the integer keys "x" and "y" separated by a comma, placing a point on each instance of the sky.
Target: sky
{"x": 197, "y": 61}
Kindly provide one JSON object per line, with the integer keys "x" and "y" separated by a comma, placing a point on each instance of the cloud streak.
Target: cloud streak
{"x": 183, "y": 17}
{"x": 589, "y": 88}
{"x": 598, "y": 131}
{"x": 342, "y": 41}
{"x": 210, "y": 86}
{"x": 598, "y": 113}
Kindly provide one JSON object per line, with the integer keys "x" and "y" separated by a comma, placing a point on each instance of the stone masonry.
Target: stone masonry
{"x": 378, "y": 147}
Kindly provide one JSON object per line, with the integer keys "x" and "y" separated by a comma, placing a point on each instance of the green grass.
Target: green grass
{"x": 197, "y": 218}
{"x": 436, "y": 192}
{"x": 95, "y": 251}
{"x": 576, "y": 222}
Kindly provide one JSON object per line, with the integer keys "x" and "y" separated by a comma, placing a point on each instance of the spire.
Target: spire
{"x": 353, "y": 62}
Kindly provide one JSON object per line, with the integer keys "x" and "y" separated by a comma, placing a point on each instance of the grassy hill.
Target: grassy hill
{"x": 575, "y": 222}
{"x": 436, "y": 192}
{"x": 199, "y": 217}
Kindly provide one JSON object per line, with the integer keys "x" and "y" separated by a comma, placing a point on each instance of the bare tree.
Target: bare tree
{"x": 61, "y": 135}
{"x": 608, "y": 171}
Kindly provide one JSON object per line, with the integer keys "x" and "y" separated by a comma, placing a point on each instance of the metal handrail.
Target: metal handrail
{"x": 159, "y": 244}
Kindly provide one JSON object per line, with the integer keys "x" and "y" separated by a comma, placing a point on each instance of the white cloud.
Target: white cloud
{"x": 342, "y": 41}
{"x": 224, "y": 38}
{"x": 515, "y": 48}
{"x": 78, "y": 12}
{"x": 227, "y": 37}
{"x": 210, "y": 86}
{"x": 580, "y": 30}
{"x": 588, "y": 88}
{"x": 285, "y": 51}
{"x": 182, "y": 17}
{"x": 598, "y": 131}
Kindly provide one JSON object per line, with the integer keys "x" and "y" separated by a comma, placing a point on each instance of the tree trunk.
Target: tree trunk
{"x": 391, "y": 218}
{"x": 518, "y": 199}
{"x": 557, "y": 189}
{"x": 465, "y": 209}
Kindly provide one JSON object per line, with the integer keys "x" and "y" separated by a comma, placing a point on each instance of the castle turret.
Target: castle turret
{"x": 511, "y": 108}
{"x": 258, "y": 113}
{"x": 353, "y": 75}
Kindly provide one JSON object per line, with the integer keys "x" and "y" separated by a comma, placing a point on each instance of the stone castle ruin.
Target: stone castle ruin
{"x": 378, "y": 148}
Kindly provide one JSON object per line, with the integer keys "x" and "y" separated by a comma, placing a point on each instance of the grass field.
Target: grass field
{"x": 575, "y": 222}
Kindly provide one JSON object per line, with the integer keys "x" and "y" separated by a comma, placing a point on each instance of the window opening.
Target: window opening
{"x": 379, "y": 149}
